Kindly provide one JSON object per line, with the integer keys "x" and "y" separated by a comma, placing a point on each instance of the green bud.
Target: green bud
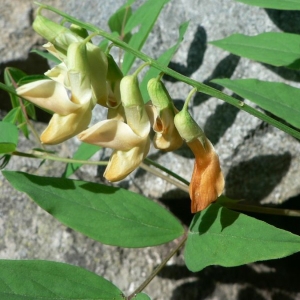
{"x": 134, "y": 107}
{"x": 82, "y": 32}
{"x": 113, "y": 73}
{"x": 77, "y": 59}
{"x": 60, "y": 36}
{"x": 130, "y": 91}
{"x": 97, "y": 62}
{"x": 158, "y": 94}
{"x": 187, "y": 126}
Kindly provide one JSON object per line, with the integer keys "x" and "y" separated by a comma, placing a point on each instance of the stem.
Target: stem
{"x": 165, "y": 177}
{"x": 149, "y": 161}
{"x": 25, "y": 112}
{"x": 263, "y": 210}
{"x": 158, "y": 268}
{"x": 200, "y": 86}
{"x": 188, "y": 98}
{"x": 57, "y": 158}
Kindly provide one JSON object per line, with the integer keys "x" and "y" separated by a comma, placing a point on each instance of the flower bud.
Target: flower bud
{"x": 134, "y": 107}
{"x": 187, "y": 127}
{"x": 60, "y": 36}
{"x": 167, "y": 137}
{"x": 97, "y": 62}
{"x": 82, "y": 32}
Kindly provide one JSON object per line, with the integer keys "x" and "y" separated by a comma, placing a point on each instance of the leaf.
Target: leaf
{"x": 219, "y": 236}
{"x": 274, "y": 48}
{"x": 9, "y": 137}
{"x": 280, "y": 99}
{"x": 276, "y": 4}
{"x": 47, "y": 56}
{"x": 118, "y": 20}
{"x": 31, "y": 78}
{"x": 107, "y": 214}
{"x": 11, "y": 77}
{"x": 145, "y": 17}
{"x": 38, "y": 279}
{"x": 12, "y": 115}
{"x": 84, "y": 151}
{"x": 164, "y": 60}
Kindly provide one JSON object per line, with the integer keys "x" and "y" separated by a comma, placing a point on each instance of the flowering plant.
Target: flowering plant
{"x": 86, "y": 76}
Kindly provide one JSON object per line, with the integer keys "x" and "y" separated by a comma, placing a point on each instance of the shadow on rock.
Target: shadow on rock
{"x": 224, "y": 69}
{"x": 217, "y": 123}
{"x": 195, "y": 56}
{"x": 255, "y": 179}
{"x": 286, "y": 20}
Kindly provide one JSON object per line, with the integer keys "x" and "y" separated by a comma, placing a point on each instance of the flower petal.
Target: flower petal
{"x": 48, "y": 94}
{"x": 59, "y": 74}
{"x": 122, "y": 163}
{"x": 62, "y": 128}
{"x": 167, "y": 137}
{"x": 207, "y": 181}
{"x": 111, "y": 133}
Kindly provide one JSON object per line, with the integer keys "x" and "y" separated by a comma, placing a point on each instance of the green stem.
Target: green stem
{"x": 200, "y": 86}
{"x": 149, "y": 161}
{"x": 158, "y": 268}
{"x": 57, "y": 158}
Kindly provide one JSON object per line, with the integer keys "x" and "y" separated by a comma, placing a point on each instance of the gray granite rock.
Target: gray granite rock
{"x": 260, "y": 162}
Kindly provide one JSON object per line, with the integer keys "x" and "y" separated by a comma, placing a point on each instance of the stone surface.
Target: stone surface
{"x": 261, "y": 164}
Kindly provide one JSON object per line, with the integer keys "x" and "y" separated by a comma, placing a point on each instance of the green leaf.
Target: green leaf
{"x": 107, "y": 214}
{"x": 141, "y": 296}
{"x": 145, "y": 17}
{"x": 280, "y": 99}
{"x": 38, "y": 279}
{"x": 118, "y": 20}
{"x": 219, "y": 236}
{"x": 13, "y": 115}
{"x": 11, "y": 77}
{"x": 47, "y": 55}
{"x": 274, "y": 48}
{"x": 31, "y": 78}
{"x": 9, "y": 137}
{"x": 163, "y": 60}
{"x": 276, "y": 4}
{"x": 84, "y": 151}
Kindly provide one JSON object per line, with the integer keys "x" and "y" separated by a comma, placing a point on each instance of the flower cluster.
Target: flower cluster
{"x": 86, "y": 77}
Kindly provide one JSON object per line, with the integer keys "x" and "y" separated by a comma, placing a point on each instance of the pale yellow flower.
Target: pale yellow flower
{"x": 74, "y": 87}
{"x": 129, "y": 140}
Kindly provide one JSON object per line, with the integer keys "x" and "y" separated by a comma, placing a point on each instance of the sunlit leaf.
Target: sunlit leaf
{"x": 219, "y": 236}
{"x": 276, "y": 4}
{"x": 107, "y": 214}
{"x": 164, "y": 60}
{"x": 144, "y": 18}
{"x": 84, "y": 152}
{"x": 13, "y": 115}
{"x": 118, "y": 20}
{"x": 38, "y": 279}
{"x": 9, "y": 137}
{"x": 141, "y": 296}
{"x": 47, "y": 55}
{"x": 274, "y": 48}
{"x": 278, "y": 98}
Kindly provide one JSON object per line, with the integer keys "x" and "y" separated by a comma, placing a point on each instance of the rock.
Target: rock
{"x": 260, "y": 162}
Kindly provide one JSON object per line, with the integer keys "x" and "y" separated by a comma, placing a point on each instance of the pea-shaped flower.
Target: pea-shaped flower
{"x": 207, "y": 181}
{"x": 129, "y": 140}
{"x": 70, "y": 92}
{"x": 166, "y": 135}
